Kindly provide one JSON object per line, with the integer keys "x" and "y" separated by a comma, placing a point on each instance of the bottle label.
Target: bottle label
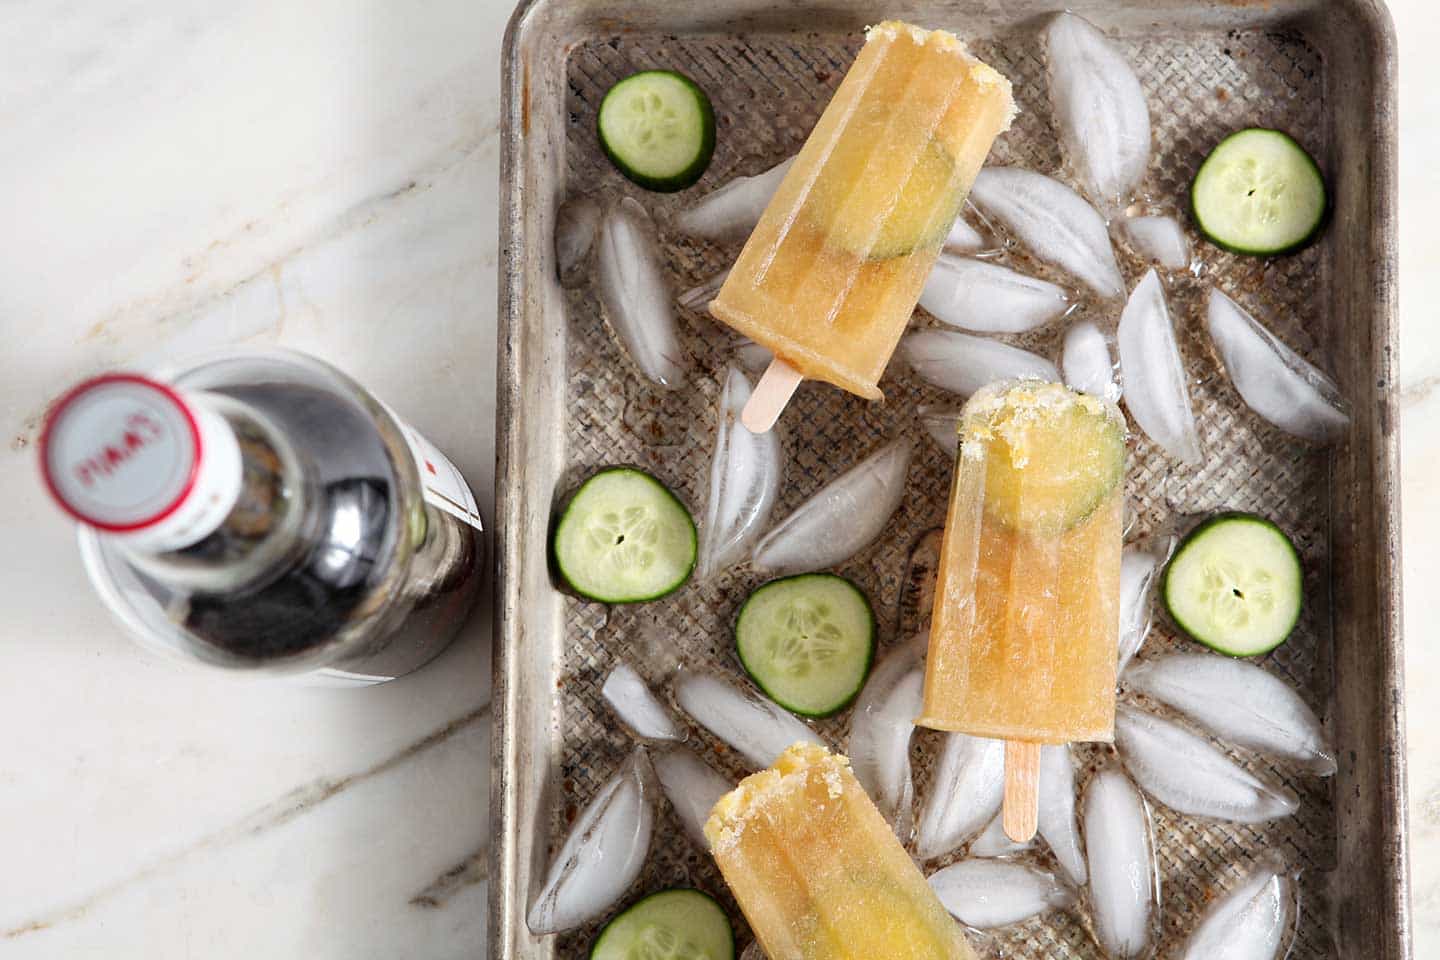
{"x": 445, "y": 488}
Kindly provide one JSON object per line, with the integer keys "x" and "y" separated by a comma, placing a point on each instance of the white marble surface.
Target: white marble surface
{"x": 319, "y": 174}
{"x": 323, "y": 175}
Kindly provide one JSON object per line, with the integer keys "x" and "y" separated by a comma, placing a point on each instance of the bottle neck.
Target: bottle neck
{"x": 259, "y": 525}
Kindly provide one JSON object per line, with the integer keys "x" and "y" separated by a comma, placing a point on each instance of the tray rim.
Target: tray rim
{"x": 506, "y": 904}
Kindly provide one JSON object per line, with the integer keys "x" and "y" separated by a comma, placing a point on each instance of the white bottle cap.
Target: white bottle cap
{"x": 141, "y": 462}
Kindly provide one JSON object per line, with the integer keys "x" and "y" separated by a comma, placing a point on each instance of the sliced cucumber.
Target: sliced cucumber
{"x": 1235, "y": 585}
{"x": 807, "y": 641}
{"x": 677, "y": 924}
{"x": 1258, "y": 192}
{"x": 1052, "y": 454}
{"x": 624, "y": 538}
{"x": 847, "y": 209}
{"x": 658, "y": 128}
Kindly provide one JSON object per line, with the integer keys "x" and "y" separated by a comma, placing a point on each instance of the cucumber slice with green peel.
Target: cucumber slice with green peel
{"x": 676, "y": 924}
{"x": 1258, "y": 192}
{"x": 624, "y": 538}
{"x": 1052, "y": 454}
{"x": 807, "y": 642}
{"x": 658, "y": 128}
{"x": 847, "y": 212}
{"x": 1235, "y": 585}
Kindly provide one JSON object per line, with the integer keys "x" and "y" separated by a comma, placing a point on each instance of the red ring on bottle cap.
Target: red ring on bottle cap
{"x": 56, "y": 424}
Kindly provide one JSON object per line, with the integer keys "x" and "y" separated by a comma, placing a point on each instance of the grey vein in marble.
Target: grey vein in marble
{"x": 130, "y": 330}
{"x": 468, "y": 872}
{"x": 282, "y": 810}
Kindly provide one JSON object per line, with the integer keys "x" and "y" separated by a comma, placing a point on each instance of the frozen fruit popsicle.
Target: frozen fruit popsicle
{"x": 819, "y": 873}
{"x": 832, "y": 272}
{"x": 1026, "y": 617}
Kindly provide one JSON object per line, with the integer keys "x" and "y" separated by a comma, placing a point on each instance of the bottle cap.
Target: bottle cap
{"x": 134, "y": 458}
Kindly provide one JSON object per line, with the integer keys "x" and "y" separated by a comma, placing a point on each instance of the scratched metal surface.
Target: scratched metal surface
{"x": 768, "y": 89}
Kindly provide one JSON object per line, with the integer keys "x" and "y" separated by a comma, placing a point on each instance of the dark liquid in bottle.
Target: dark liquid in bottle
{"x": 345, "y": 573}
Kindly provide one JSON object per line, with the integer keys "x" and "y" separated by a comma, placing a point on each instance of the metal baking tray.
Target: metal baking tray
{"x": 568, "y": 402}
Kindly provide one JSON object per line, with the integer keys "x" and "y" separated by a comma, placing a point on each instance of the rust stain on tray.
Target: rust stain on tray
{"x": 525, "y": 98}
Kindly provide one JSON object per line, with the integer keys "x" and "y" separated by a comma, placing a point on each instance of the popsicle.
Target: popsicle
{"x": 1025, "y": 625}
{"x": 819, "y": 873}
{"x": 833, "y": 270}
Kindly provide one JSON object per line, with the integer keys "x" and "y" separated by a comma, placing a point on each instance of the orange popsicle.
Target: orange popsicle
{"x": 1026, "y": 618}
{"x": 819, "y": 873}
{"x": 833, "y": 269}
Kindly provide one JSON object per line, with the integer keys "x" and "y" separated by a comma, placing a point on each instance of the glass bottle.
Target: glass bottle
{"x": 265, "y": 513}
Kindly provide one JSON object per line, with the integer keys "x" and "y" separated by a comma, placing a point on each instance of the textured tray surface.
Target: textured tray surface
{"x": 767, "y": 92}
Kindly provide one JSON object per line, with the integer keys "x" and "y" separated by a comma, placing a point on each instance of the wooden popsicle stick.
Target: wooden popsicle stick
{"x": 771, "y": 394}
{"x": 1022, "y": 790}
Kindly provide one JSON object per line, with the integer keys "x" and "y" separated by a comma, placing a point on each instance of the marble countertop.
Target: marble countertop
{"x": 323, "y": 175}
